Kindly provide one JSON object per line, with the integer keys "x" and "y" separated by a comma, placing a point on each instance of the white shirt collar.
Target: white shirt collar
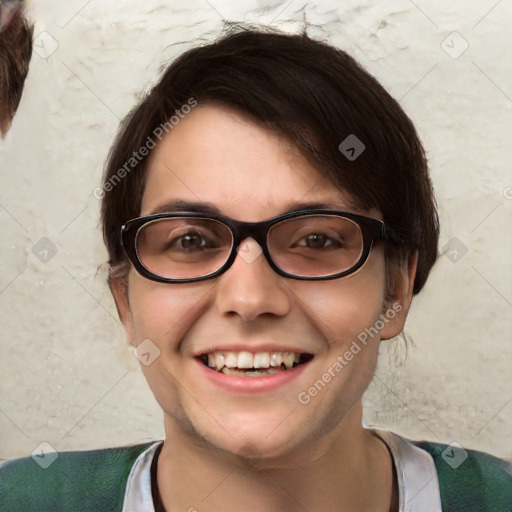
{"x": 137, "y": 495}
{"x": 418, "y": 487}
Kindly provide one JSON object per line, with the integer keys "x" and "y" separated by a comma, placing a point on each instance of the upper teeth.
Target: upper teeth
{"x": 246, "y": 359}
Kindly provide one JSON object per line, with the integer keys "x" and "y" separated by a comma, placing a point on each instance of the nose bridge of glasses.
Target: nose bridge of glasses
{"x": 243, "y": 230}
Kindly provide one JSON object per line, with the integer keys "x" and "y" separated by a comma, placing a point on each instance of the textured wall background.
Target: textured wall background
{"x": 69, "y": 378}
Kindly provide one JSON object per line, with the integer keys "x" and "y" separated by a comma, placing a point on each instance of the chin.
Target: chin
{"x": 257, "y": 451}
{"x": 258, "y": 439}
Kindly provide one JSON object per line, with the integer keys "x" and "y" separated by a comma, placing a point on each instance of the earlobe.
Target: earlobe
{"x": 119, "y": 288}
{"x": 399, "y": 298}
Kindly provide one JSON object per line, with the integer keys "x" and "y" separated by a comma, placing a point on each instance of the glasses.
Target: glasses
{"x": 306, "y": 245}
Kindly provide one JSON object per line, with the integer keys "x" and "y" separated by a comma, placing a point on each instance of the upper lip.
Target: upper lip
{"x": 252, "y": 349}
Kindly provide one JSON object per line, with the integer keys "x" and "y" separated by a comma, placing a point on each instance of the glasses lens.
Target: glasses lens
{"x": 316, "y": 245}
{"x": 184, "y": 247}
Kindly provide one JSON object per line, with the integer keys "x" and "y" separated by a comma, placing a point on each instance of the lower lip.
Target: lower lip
{"x": 251, "y": 384}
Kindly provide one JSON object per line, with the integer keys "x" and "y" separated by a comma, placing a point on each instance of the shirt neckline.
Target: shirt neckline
{"x": 418, "y": 486}
{"x": 157, "y": 498}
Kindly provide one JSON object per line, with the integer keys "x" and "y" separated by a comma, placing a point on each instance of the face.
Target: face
{"x": 216, "y": 156}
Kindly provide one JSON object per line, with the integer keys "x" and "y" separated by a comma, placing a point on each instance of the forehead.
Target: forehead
{"x": 218, "y": 156}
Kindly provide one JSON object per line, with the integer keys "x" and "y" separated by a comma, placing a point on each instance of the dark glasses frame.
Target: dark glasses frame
{"x": 372, "y": 230}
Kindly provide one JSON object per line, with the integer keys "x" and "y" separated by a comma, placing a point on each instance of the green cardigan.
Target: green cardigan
{"x": 96, "y": 481}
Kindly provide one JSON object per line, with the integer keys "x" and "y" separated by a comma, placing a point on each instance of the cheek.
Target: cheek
{"x": 163, "y": 312}
{"x": 344, "y": 311}
{"x": 343, "y": 308}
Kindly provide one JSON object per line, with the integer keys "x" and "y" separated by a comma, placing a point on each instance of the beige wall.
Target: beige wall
{"x": 68, "y": 377}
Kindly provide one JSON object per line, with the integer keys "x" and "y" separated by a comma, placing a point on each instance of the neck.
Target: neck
{"x": 348, "y": 469}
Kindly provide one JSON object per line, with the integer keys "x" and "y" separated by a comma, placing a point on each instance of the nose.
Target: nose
{"x": 250, "y": 288}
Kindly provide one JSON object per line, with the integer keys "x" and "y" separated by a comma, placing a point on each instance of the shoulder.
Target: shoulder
{"x": 87, "y": 480}
{"x": 470, "y": 480}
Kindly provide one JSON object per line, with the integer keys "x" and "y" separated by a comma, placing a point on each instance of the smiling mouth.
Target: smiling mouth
{"x": 248, "y": 364}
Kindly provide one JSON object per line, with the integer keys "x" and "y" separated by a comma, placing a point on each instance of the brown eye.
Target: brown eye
{"x": 315, "y": 240}
{"x": 192, "y": 240}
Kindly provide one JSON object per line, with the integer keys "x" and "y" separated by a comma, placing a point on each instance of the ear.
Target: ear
{"x": 119, "y": 288}
{"x": 399, "y": 298}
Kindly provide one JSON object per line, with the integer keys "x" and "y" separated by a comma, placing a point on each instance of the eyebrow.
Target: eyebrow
{"x": 205, "y": 208}
{"x": 180, "y": 205}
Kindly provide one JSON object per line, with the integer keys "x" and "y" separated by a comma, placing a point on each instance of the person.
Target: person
{"x": 269, "y": 216}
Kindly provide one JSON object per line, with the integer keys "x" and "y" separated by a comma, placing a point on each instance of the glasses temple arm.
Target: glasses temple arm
{"x": 395, "y": 234}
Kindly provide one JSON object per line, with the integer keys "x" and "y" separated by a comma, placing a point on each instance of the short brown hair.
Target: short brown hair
{"x": 314, "y": 95}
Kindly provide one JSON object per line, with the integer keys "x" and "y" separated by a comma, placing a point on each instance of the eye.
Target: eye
{"x": 318, "y": 241}
{"x": 190, "y": 241}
